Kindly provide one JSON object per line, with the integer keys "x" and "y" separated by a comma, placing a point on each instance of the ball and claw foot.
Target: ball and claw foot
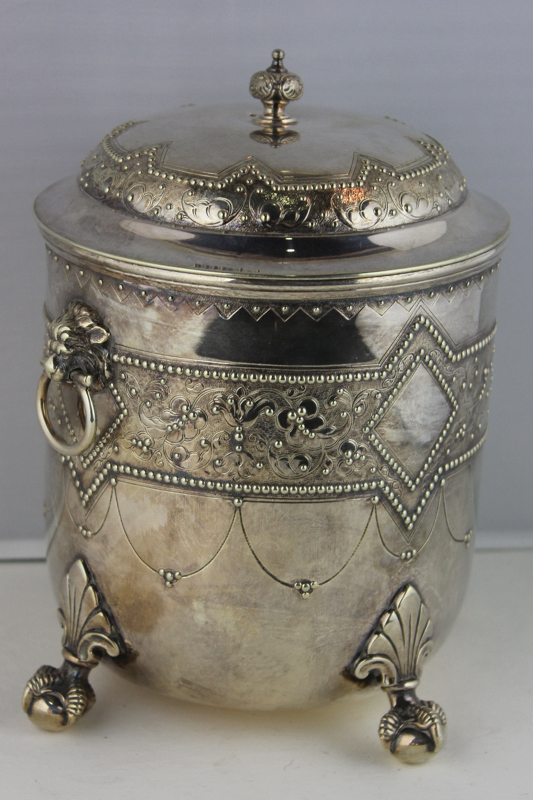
{"x": 413, "y": 730}
{"x": 55, "y": 698}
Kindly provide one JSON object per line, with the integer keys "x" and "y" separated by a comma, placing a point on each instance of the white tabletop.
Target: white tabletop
{"x": 135, "y": 744}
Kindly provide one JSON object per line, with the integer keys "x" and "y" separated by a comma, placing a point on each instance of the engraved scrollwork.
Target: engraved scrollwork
{"x": 310, "y": 435}
{"x": 413, "y": 729}
{"x": 414, "y": 205}
{"x": 372, "y": 194}
{"x": 261, "y": 85}
{"x": 291, "y": 87}
{"x": 212, "y": 210}
{"x": 273, "y": 210}
{"x": 242, "y": 407}
{"x": 405, "y": 199}
{"x": 275, "y": 87}
{"x": 143, "y": 198}
{"x": 309, "y": 432}
{"x": 248, "y": 195}
{"x": 56, "y": 698}
{"x": 153, "y": 437}
{"x": 186, "y": 432}
{"x": 234, "y": 464}
{"x": 357, "y": 209}
{"x": 451, "y": 187}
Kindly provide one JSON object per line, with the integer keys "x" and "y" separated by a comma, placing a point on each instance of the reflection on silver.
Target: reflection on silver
{"x": 298, "y": 362}
{"x": 408, "y": 238}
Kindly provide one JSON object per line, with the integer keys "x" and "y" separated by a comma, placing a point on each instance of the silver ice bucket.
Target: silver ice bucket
{"x": 265, "y": 388}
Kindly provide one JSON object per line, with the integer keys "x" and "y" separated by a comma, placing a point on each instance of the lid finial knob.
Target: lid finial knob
{"x": 276, "y": 87}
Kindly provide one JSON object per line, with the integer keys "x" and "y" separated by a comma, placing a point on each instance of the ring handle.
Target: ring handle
{"x": 76, "y": 353}
{"x": 89, "y": 432}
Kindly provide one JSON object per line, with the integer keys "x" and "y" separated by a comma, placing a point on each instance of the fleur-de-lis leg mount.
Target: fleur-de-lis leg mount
{"x": 55, "y": 698}
{"x": 413, "y": 730}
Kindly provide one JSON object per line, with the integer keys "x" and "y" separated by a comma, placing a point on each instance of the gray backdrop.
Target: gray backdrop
{"x": 71, "y": 70}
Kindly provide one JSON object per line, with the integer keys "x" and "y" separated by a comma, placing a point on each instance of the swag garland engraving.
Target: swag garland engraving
{"x": 294, "y": 436}
{"x": 409, "y": 544}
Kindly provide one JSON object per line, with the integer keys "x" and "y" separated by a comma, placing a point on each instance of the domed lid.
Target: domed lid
{"x": 228, "y": 170}
{"x": 265, "y": 196}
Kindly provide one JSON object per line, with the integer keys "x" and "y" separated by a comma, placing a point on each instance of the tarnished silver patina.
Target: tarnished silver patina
{"x": 266, "y": 386}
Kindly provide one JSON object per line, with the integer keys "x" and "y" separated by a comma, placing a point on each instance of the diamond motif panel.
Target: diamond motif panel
{"x": 415, "y": 419}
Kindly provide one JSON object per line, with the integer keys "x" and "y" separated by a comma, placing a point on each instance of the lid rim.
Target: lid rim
{"x": 219, "y": 279}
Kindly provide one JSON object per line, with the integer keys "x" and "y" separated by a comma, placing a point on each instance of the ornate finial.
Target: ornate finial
{"x": 276, "y": 87}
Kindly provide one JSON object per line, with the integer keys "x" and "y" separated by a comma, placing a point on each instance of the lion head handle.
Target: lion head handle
{"x": 75, "y": 350}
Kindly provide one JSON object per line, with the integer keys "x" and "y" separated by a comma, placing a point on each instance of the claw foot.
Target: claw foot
{"x": 413, "y": 730}
{"x": 56, "y": 698}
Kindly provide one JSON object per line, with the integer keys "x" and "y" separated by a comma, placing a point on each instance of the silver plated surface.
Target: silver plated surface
{"x": 269, "y": 497}
{"x": 279, "y": 494}
{"x": 322, "y": 183}
{"x": 424, "y": 254}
